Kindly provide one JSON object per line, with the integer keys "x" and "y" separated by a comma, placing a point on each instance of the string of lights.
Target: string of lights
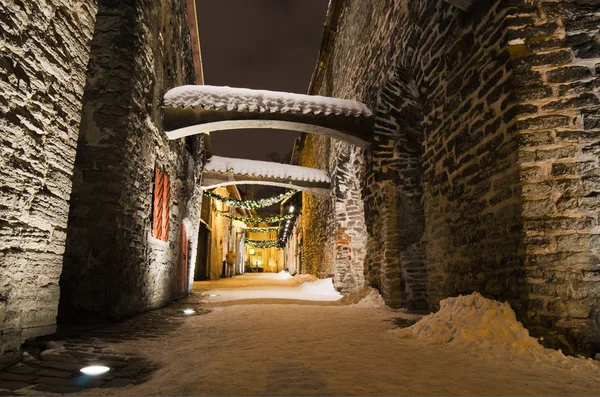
{"x": 257, "y": 220}
{"x": 262, "y": 243}
{"x": 250, "y": 204}
{"x": 263, "y": 229}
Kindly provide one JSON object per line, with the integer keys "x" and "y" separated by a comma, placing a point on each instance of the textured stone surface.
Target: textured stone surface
{"x": 44, "y": 50}
{"x": 114, "y": 266}
{"x": 501, "y": 138}
{"x": 560, "y": 199}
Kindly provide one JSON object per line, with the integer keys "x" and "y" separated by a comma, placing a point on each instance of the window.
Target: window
{"x": 160, "y": 208}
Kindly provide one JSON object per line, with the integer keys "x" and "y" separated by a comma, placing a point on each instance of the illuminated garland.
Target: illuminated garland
{"x": 256, "y": 221}
{"x": 262, "y": 243}
{"x": 250, "y": 204}
{"x": 262, "y": 229}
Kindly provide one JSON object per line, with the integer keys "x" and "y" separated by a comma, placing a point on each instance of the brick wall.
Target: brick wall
{"x": 44, "y": 50}
{"x": 140, "y": 49}
{"x": 503, "y": 148}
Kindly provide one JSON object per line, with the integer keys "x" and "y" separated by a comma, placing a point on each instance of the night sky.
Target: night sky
{"x": 260, "y": 44}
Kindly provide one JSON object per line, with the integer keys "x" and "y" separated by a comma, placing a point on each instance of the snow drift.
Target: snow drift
{"x": 322, "y": 287}
{"x": 475, "y": 321}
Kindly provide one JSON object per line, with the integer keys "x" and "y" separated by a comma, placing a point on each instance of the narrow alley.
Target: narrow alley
{"x": 324, "y": 197}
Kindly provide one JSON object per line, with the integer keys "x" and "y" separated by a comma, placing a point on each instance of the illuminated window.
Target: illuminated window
{"x": 160, "y": 207}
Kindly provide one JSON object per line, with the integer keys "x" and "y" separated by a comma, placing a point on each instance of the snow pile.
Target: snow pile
{"x": 319, "y": 290}
{"x": 322, "y": 287}
{"x": 245, "y": 100}
{"x": 265, "y": 169}
{"x": 373, "y": 300}
{"x": 282, "y": 275}
{"x": 302, "y": 278}
{"x": 475, "y": 321}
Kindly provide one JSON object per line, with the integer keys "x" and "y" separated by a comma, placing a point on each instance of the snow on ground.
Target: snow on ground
{"x": 373, "y": 300}
{"x": 289, "y": 349}
{"x": 282, "y": 275}
{"x": 475, "y": 321}
{"x": 302, "y": 278}
{"x": 245, "y": 100}
{"x": 265, "y": 168}
{"x": 318, "y": 290}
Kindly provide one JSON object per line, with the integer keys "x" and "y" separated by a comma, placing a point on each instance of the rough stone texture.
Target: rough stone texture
{"x": 44, "y": 50}
{"x": 114, "y": 266}
{"x": 507, "y": 163}
{"x": 556, "y": 53}
{"x": 393, "y": 193}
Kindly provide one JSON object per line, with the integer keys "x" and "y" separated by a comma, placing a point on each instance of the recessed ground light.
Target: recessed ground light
{"x": 95, "y": 370}
{"x": 189, "y": 311}
{"x": 213, "y": 295}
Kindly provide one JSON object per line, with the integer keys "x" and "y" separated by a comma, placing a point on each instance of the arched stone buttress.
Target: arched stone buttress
{"x": 393, "y": 196}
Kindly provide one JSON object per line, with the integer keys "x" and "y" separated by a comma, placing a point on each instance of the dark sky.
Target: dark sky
{"x": 260, "y": 44}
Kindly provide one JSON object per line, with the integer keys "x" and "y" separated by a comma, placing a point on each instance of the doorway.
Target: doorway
{"x": 202, "y": 257}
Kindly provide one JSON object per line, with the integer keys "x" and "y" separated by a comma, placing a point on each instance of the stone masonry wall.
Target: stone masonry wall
{"x": 555, "y": 48}
{"x": 44, "y": 49}
{"x": 393, "y": 193}
{"x": 114, "y": 266}
{"x": 317, "y": 222}
{"x": 508, "y": 155}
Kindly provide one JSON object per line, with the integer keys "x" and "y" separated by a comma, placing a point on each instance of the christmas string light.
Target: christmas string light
{"x": 262, "y": 243}
{"x": 250, "y": 204}
{"x": 256, "y": 221}
{"x": 263, "y": 229}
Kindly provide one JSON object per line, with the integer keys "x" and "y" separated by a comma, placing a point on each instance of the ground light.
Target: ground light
{"x": 95, "y": 370}
{"x": 189, "y": 311}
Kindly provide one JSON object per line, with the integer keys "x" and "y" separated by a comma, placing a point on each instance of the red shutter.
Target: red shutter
{"x": 165, "y": 211}
{"x": 162, "y": 196}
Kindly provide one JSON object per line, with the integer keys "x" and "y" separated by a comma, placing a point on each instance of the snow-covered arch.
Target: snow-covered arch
{"x": 222, "y": 171}
{"x": 191, "y": 110}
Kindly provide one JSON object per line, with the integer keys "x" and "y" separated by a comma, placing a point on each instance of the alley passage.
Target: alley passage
{"x": 238, "y": 346}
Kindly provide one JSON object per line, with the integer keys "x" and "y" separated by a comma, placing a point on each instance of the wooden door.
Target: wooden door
{"x": 181, "y": 276}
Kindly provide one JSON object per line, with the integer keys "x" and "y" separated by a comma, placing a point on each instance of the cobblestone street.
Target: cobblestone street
{"x": 52, "y": 363}
{"x": 233, "y": 345}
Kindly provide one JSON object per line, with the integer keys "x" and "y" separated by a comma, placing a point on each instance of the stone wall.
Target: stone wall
{"x": 556, "y": 55}
{"x": 114, "y": 266}
{"x": 44, "y": 50}
{"x": 492, "y": 166}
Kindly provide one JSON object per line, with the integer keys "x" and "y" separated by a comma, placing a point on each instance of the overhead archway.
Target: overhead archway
{"x": 222, "y": 171}
{"x": 191, "y": 110}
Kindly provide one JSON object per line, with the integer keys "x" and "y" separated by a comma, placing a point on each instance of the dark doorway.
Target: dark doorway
{"x": 181, "y": 275}
{"x": 202, "y": 258}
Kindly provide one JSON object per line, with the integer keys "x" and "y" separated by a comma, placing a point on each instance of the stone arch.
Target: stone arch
{"x": 393, "y": 196}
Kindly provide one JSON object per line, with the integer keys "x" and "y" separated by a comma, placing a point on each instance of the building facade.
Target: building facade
{"x": 482, "y": 171}
{"x": 93, "y": 193}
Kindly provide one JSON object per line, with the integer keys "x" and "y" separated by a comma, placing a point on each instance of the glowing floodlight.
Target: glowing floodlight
{"x": 188, "y": 311}
{"x": 95, "y": 370}
{"x": 251, "y": 252}
{"x": 291, "y": 209}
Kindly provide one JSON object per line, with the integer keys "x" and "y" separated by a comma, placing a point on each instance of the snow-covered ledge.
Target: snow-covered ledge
{"x": 210, "y": 97}
{"x": 221, "y": 171}
{"x": 191, "y": 110}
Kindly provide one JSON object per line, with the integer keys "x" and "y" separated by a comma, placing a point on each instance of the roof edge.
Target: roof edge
{"x": 334, "y": 11}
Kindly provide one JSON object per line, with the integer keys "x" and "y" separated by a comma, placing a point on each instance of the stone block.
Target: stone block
{"x": 568, "y": 73}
